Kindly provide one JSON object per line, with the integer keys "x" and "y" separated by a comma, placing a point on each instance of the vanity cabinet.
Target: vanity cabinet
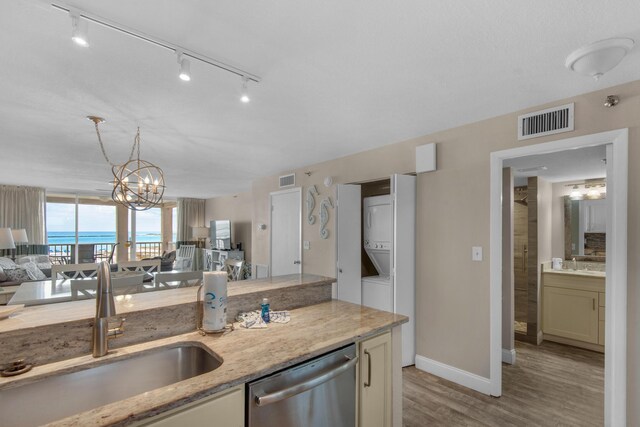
{"x": 573, "y": 310}
{"x": 375, "y": 381}
{"x": 224, "y": 409}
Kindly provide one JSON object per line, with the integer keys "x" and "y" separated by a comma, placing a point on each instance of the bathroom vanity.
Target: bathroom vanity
{"x": 573, "y": 307}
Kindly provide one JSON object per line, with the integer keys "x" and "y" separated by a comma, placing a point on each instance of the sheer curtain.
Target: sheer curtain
{"x": 190, "y": 214}
{"x": 24, "y": 207}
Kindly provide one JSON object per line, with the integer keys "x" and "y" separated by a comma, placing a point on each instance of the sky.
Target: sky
{"x": 61, "y": 217}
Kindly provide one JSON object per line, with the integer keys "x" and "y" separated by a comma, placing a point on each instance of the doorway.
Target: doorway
{"x": 286, "y": 232}
{"x": 616, "y": 268}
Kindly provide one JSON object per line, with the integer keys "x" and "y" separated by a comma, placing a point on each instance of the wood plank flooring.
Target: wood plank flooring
{"x": 550, "y": 385}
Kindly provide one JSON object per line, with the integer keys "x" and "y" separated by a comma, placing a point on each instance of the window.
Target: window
{"x": 148, "y": 233}
{"x": 174, "y": 224}
{"x": 95, "y": 234}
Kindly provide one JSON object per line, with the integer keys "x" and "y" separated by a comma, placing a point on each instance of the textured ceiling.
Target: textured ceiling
{"x": 338, "y": 77}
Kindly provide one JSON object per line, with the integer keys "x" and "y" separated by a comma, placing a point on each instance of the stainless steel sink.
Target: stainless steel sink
{"x": 59, "y": 396}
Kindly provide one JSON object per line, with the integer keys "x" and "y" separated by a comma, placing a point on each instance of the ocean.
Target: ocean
{"x": 68, "y": 237}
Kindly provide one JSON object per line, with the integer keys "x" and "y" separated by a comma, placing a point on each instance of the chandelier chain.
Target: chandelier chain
{"x": 136, "y": 142}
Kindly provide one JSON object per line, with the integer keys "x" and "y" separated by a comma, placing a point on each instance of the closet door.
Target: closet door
{"x": 349, "y": 241}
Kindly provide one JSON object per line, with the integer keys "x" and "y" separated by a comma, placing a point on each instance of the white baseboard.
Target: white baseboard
{"x": 458, "y": 376}
{"x": 509, "y": 356}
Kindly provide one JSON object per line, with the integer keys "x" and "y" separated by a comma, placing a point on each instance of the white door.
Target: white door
{"x": 403, "y": 272}
{"x": 349, "y": 243}
{"x": 286, "y": 217}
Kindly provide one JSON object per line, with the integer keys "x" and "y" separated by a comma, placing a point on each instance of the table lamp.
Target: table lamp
{"x": 20, "y": 239}
{"x": 200, "y": 233}
{"x": 6, "y": 239}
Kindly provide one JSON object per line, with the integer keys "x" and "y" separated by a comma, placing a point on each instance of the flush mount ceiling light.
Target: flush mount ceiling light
{"x": 597, "y": 58}
{"x": 138, "y": 184}
{"x": 185, "y": 67}
{"x": 79, "y": 29}
{"x": 80, "y": 18}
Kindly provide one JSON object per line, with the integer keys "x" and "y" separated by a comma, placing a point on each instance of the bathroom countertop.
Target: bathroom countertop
{"x": 586, "y": 273}
{"x": 248, "y": 354}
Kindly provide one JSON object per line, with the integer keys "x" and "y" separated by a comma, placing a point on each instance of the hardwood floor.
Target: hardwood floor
{"x": 550, "y": 385}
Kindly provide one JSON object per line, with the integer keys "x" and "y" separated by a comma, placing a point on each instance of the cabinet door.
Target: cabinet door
{"x": 224, "y": 409}
{"x": 375, "y": 382}
{"x": 570, "y": 313}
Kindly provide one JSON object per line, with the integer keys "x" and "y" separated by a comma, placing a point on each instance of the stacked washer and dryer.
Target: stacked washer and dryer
{"x": 377, "y": 291}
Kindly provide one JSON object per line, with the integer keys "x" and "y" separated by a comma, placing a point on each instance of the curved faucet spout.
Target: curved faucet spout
{"x": 105, "y": 308}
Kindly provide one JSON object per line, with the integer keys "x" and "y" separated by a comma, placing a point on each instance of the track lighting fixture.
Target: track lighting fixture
{"x": 79, "y": 29}
{"x": 244, "y": 96}
{"x": 185, "y": 67}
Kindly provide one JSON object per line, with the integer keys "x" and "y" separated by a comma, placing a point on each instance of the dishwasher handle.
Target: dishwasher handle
{"x": 325, "y": 376}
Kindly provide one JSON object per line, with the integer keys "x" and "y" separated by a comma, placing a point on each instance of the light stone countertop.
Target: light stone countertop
{"x": 248, "y": 354}
{"x": 584, "y": 273}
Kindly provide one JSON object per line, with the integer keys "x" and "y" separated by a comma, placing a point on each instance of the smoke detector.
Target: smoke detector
{"x": 597, "y": 58}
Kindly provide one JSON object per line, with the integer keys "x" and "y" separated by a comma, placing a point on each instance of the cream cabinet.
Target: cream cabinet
{"x": 571, "y": 313}
{"x": 224, "y": 409}
{"x": 573, "y": 309}
{"x": 375, "y": 382}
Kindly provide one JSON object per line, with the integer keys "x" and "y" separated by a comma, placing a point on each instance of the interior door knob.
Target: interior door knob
{"x": 297, "y": 262}
{"x": 340, "y": 270}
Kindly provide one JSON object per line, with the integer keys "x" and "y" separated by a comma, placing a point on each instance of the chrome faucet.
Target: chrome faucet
{"x": 105, "y": 308}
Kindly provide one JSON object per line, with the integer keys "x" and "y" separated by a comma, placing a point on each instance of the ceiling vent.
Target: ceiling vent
{"x": 546, "y": 122}
{"x": 287, "y": 180}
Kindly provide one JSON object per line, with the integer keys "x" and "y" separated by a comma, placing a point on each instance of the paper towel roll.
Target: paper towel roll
{"x": 214, "y": 316}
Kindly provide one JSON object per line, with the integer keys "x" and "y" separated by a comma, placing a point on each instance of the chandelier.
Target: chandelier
{"x": 138, "y": 184}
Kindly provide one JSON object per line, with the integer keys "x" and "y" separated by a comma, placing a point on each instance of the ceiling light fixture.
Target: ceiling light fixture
{"x": 244, "y": 96}
{"x": 79, "y": 29}
{"x": 138, "y": 184}
{"x": 185, "y": 67}
{"x": 84, "y": 17}
{"x": 597, "y": 58}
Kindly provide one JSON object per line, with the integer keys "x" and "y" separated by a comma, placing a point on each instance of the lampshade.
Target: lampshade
{"x": 20, "y": 236}
{"x": 200, "y": 232}
{"x": 6, "y": 239}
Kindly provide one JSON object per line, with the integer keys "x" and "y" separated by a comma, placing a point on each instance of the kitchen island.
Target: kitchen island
{"x": 247, "y": 354}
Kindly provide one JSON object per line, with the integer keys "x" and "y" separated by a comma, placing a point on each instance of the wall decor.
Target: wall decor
{"x": 311, "y": 203}
{"x": 324, "y": 217}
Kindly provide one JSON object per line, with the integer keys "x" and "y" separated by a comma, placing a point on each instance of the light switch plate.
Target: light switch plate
{"x": 307, "y": 244}
{"x": 476, "y": 253}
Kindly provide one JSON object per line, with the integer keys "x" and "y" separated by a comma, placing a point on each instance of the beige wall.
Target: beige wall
{"x": 238, "y": 209}
{"x": 452, "y": 292}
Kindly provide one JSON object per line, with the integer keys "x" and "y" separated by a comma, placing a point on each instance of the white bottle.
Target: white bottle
{"x": 214, "y": 300}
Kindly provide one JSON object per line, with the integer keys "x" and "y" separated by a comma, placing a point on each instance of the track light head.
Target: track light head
{"x": 185, "y": 67}
{"x": 79, "y": 29}
{"x": 244, "y": 95}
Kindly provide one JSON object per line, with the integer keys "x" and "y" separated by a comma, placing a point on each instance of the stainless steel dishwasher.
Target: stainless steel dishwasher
{"x": 317, "y": 393}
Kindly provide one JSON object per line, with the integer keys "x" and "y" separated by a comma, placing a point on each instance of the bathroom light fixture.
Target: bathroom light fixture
{"x": 79, "y": 29}
{"x": 185, "y": 67}
{"x": 244, "y": 96}
{"x": 84, "y": 17}
{"x": 597, "y": 58}
{"x": 576, "y": 194}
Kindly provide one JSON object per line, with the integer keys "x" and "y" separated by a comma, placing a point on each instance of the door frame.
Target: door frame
{"x": 615, "y": 390}
{"x": 276, "y": 193}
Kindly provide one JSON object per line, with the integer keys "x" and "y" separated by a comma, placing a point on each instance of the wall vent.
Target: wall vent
{"x": 287, "y": 180}
{"x": 546, "y": 122}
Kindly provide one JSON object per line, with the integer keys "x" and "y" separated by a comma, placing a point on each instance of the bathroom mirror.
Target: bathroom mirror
{"x": 585, "y": 229}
